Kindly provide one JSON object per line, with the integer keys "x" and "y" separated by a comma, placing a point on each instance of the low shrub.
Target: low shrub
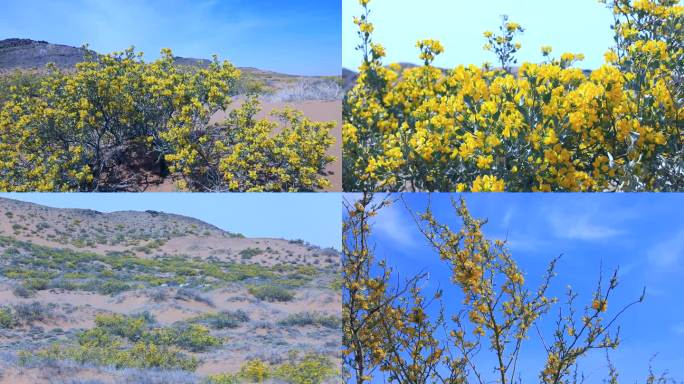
{"x": 311, "y": 369}
{"x": 96, "y": 337}
{"x": 156, "y": 111}
{"x": 7, "y": 319}
{"x": 114, "y": 272}
{"x": 224, "y": 319}
{"x": 28, "y": 313}
{"x": 255, "y": 370}
{"x": 140, "y": 355}
{"x": 112, "y": 287}
{"x": 336, "y": 284}
{"x": 132, "y": 342}
{"x": 36, "y": 284}
{"x": 195, "y": 338}
{"x": 130, "y": 327}
{"x": 64, "y": 284}
{"x": 24, "y": 313}
{"x": 191, "y": 294}
{"x": 271, "y": 293}
{"x": 223, "y": 378}
{"x": 158, "y": 295}
{"x": 22, "y": 291}
{"x": 312, "y": 318}
{"x": 249, "y": 253}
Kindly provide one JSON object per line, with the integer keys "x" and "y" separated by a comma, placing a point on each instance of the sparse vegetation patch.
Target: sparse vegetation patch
{"x": 271, "y": 293}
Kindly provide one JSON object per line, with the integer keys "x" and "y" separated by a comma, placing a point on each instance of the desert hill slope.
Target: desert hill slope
{"x": 144, "y": 233}
{"x": 202, "y": 301}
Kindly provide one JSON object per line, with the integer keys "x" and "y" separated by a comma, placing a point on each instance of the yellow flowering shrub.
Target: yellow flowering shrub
{"x": 311, "y": 368}
{"x": 75, "y": 131}
{"x": 256, "y": 371}
{"x": 247, "y": 156}
{"x": 390, "y": 327}
{"x": 539, "y": 127}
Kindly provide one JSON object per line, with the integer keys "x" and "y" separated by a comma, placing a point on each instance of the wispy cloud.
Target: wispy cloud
{"x": 395, "y": 223}
{"x": 679, "y": 329}
{"x": 585, "y": 226}
{"x": 669, "y": 252}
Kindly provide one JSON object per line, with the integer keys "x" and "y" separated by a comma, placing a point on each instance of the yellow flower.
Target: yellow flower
{"x": 485, "y": 162}
{"x": 599, "y": 305}
{"x": 567, "y": 56}
{"x": 610, "y": 57}
{"x": 511, "y": 27}
{"x": 487, "y": 183}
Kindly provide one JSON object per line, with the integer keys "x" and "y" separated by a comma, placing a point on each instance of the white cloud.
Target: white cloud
{"x": 395, "y": 223}
{"x": 668, "y": 253}
{"x": 586, "y": 226}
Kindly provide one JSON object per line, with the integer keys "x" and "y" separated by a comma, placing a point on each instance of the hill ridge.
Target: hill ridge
{"x": 23, "y": 53}
{"x": 150, "y": 233}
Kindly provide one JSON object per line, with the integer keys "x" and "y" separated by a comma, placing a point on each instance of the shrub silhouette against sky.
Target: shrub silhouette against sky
{"x": 449, "y": 304}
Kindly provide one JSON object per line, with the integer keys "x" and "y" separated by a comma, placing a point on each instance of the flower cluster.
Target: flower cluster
{"x": 538, "y": 127}
{"x": 503, "y": 45}
{"x": 75, "y": 131}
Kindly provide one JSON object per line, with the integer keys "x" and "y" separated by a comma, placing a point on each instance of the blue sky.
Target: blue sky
{"x": 643, "y": 234}
{"x": 314, "y": 217}
{"x": 579, "y": 26}
{"x": 297, "y": 36}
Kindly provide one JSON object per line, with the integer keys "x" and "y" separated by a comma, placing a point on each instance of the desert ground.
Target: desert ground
{"x": 203, "y": 301}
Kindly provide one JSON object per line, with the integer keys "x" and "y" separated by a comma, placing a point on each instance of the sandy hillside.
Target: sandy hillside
{"x": 150, "y": 297}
